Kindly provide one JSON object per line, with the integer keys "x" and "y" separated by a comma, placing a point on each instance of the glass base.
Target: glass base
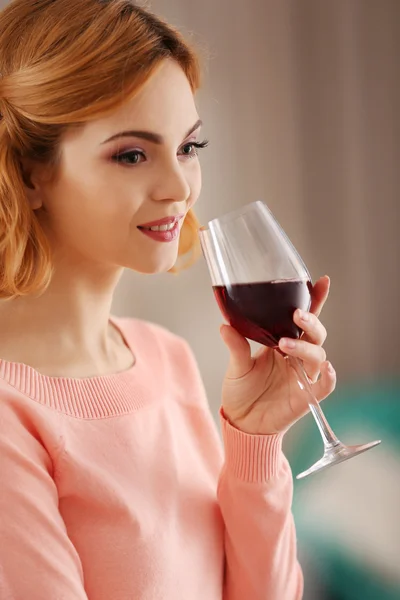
{"x": 336, "y": 454}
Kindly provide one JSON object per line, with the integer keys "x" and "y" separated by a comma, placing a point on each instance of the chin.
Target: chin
{"x": 154, "y": 267}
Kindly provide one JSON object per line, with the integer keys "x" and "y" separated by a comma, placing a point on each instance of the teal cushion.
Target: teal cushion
{"x": 375, "y": 407}
{"x": 346, "y": 579}
{"x": 372, "y": 405}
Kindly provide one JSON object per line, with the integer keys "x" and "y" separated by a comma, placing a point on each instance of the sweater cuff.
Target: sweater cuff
{"x": 251, "y": 458}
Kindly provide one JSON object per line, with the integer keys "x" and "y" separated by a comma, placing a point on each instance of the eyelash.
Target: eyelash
{"x": 196, "y": 145}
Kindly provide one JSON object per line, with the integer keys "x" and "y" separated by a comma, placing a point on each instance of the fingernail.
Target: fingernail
{"x": 288, "y": 343}
{"x": 331, "y": 369}
{"x": 303, "y": 315}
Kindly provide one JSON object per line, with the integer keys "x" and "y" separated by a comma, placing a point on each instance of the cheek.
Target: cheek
{"x": 112, "y": 200}
{"x": 81, "y": 213}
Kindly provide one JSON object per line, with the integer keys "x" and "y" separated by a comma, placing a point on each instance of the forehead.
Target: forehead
{"x": 165, "y": 105}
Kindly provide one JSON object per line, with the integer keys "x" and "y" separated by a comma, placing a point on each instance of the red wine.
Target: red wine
{"x": 263, "y": 311}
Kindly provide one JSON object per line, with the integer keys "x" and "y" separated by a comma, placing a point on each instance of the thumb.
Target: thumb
{"x": 240, "y": 359}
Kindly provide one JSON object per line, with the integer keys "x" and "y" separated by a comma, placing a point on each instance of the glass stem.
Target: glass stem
{"x": 329, "y": 438}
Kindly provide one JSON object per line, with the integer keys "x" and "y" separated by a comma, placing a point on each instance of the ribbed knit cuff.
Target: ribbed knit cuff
{"x": 251, "y": 458}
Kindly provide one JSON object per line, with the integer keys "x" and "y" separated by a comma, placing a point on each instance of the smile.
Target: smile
{"x": 167, "y": 227}
{"x": 162, "y": 233}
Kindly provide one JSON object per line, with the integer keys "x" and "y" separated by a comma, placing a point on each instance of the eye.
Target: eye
{"x": 133, "y": 157}
{"x": 191, "y": 149}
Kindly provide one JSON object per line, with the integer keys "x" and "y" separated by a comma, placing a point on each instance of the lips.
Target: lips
{"x": 164, "y": 221}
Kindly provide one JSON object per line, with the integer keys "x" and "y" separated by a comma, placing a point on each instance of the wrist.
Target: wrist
{"x": 246, "y": 426}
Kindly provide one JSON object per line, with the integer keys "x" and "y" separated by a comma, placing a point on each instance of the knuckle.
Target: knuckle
{"x": 332, "y": 386}
{"x": 315, "y": 354}
{"x": 319, "y": 329}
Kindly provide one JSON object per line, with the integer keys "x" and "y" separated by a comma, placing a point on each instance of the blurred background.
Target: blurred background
{"x": 300, "y": 103}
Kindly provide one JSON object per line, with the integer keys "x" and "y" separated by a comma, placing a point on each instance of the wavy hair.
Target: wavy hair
{"x": 64, "y": 63}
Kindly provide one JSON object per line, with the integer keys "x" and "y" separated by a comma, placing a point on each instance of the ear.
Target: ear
{"x": 32, "y": 181}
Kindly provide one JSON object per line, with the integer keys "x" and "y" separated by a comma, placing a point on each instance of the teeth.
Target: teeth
{"x": 161, "y": 227}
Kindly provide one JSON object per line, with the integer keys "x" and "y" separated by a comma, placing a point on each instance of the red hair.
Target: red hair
{"x": 63, "y": 64}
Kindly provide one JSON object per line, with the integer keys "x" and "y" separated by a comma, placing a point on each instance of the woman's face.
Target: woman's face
{"x": 107, "y": 189}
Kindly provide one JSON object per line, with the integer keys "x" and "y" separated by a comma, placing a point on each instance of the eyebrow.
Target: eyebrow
{"x": 155, "y": 138}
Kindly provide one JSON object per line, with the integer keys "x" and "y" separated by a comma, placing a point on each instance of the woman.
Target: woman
{"x": 113, "y": 482}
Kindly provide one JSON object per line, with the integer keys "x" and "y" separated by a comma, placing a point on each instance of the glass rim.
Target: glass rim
{"x": 233, "y": 214}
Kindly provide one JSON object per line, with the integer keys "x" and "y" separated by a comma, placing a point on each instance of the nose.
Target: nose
{"x": 171, "y": 184}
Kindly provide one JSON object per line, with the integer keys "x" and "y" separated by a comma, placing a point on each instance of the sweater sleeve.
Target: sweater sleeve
{"x": 37, "y": 558}
{"x": 255, "y": 495}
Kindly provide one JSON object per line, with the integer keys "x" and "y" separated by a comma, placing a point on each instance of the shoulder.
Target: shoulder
{"x": 24, "y": 423}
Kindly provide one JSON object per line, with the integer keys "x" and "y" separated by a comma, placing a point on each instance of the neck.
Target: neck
{"x": 67, "y": 325}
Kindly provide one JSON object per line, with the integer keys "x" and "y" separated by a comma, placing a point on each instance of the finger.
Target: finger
{"x": 321, "y": 390}
{"x": 319, "y": 294}
{"x": 311, "y": 355}
{"x": 314, "y": 331}
{"x": 240, "y": 359}
{"x": 327, "y": 383}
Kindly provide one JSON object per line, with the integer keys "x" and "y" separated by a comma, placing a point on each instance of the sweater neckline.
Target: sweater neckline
{"x": 90, "y": 397}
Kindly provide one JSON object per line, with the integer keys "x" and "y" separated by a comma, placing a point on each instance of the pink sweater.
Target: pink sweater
{"x": 116, "y": 487}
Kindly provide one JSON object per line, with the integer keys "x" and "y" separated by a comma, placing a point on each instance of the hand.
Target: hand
{"x": 260, "y": 394}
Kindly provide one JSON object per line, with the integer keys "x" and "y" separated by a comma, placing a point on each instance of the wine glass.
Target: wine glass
{"x": 259, "y": 280}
